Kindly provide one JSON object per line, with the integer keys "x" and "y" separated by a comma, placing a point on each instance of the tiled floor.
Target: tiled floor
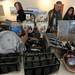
{"x": 62, "y": 71}
{"x": 16, "y": 73}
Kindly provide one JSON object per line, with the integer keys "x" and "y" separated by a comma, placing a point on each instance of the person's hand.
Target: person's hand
{"x": 24, "y": 38}
{"x": 26, "y": 29}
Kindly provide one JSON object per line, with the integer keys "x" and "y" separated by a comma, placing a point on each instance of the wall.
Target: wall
{"x": 41, "y": 4}
{"x": 6, "y": 6}
{"x": 44, "y": 5}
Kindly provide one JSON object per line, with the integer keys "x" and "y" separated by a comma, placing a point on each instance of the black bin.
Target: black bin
{"x": 9, "y": 62}
{"x": 40, "y": 63}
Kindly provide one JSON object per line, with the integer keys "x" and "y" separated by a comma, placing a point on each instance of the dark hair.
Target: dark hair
{"x": 19, "y": 4}
{"x": 20, "y": 11}
{"x": 69, "y": 10}
{"x": 58, "y": 2}
{"x": 69, "y": 17}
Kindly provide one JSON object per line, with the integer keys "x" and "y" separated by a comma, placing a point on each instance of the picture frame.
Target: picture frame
{"x": 1, "y": 10}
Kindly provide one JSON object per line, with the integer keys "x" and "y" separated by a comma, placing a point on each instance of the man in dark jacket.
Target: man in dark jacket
{"x": 55, "y": 15}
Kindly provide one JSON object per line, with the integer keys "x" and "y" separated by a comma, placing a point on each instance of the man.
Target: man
{"x": 55, "y": 15}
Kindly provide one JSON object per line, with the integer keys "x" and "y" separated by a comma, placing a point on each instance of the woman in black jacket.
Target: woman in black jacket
{"x": 21, "y": 15}
{"x": 69, "y": 14}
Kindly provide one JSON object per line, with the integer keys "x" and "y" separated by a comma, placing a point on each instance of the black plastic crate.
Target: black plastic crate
{"x": 9, "y": 62}
{"x": 40, "y": 63}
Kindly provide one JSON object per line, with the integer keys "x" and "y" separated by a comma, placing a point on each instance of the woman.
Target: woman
{"x": 69, "y": 14}
{"x": 21, "y": 15}
{"x": 54, "y": 15}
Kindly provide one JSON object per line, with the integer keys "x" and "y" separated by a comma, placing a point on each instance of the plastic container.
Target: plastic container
{"x": 40, "y": 63}
{"x": 9, "y": 62}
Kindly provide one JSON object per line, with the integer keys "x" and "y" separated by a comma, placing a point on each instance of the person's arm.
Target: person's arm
{"x": 25, "y": 37}
{"x": 50, "y": 15}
